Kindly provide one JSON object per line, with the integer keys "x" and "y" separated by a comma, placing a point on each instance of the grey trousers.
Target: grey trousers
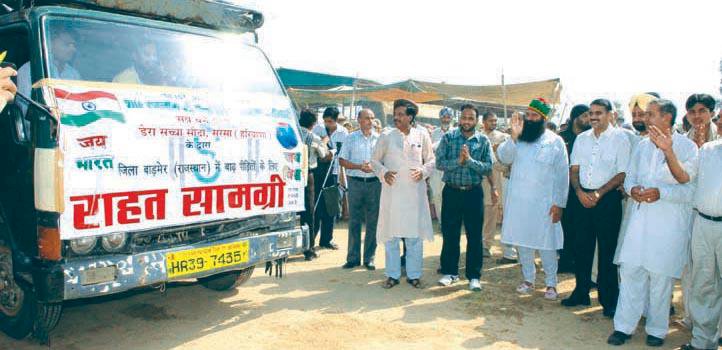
{"x": 705, "y": 299}
{"x": 363, "y": 206}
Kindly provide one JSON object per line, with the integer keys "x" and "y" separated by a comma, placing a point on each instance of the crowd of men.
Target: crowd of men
{"x": 644, "y": 202}
{"x": 628, "y": 209}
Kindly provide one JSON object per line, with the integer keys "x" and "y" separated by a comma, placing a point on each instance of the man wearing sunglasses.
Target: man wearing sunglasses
{"x": 7, "y": 87}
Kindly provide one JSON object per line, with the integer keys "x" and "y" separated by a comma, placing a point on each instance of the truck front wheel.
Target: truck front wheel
{"x": 20, "y": 313}
{"x": 227, "y": 280}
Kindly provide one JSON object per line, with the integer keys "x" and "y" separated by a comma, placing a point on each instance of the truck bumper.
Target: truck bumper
{"x": 148, "y": 268}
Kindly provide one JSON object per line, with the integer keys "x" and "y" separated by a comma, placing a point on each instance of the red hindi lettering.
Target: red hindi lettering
{"x": 269, "y": 195}
{"x": 198, "y": 195}
{"x": 240, "y": 196}
{"x": 100, "y": 140}
{"x": 86, "y": 142}
{"x": 121, "y": 207}
{"x": 87, "y": 207}
{"x": 155, "y": 205}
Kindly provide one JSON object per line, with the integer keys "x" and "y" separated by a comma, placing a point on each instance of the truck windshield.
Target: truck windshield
{"x": 90, "y": 50}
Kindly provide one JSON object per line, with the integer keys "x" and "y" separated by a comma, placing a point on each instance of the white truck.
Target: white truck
{"x": 151, "y": 141}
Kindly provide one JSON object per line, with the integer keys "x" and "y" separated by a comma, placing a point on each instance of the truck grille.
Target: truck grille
{"x": 167, "y": 238}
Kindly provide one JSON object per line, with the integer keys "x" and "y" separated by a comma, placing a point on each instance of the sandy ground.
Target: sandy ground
{"x": 321, "y": 306}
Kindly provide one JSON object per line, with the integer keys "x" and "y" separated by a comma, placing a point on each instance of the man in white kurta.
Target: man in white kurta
{"x": 638, "y": 105}
{"x": 656, "y": 242}
{"x": 705, "y": 295}
{"x": 536, "y": 193}
{"x": 403, "y": 159}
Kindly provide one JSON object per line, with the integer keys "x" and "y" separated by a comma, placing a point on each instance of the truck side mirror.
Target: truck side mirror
{"x": 20, "y": 126}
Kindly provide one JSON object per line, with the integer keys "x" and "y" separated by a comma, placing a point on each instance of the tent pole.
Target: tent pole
{"x": 353, "y": 99}
{"x": 503, "y": 94}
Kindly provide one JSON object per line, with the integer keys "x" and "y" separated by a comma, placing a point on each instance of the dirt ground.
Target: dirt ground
{"x": 318, "y": 305}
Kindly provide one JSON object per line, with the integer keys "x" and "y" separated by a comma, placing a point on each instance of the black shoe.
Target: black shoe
{"x": 609, "y": 313}
{"x": 506, "y": 261}
{"x": 330, "y": 245}
{"x": 309, "y": 255}
{"x": 576, "y": 300}
{"x": 618, "y": 338}
{"x": 370, "y": 266}
{"x": 654, "y": 341}
{"x": 350, "y": 265}
{"x": 415, "y": 282}
{"x": 390, "y": 283}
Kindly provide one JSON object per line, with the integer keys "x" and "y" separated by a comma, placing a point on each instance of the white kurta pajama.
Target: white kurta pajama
{"x": 656, "y": 242}
{"x": 705, "y": 294}
{"x": 539, "y": 179}
{"x": 404, "y": 206}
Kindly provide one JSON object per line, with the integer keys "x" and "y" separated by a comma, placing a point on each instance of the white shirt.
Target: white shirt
{"x": 708, "y": 198}
{"x": 600, "y": 158}
{"x": 632, "y": 135}
{"x": 338, "y": 137}
{"x": 657, "y": 235}
{"x": 539, "y": 179}
{"x": 711, "y": 133}
{"x": 437, "y": 134}
{"x": 405, "y": 205}
{"x": 357, "y": 149}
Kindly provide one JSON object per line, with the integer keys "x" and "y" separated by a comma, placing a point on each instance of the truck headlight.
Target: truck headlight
{"x": 114, "y": 241}
{"x": 83, "y": 245}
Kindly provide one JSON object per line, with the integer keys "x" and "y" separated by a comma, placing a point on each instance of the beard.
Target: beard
{"x": 639, "y": 126}
{"x": 465, "y": 129}
{"x": 584, "y": 127}
{"x": 532, "y": 130}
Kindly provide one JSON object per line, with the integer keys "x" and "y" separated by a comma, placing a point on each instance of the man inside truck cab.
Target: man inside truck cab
{"x": 146, "y": 68}
{"x": 62, "y": 54}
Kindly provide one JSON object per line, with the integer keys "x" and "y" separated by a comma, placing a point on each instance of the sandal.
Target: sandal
{"x": 416, "y": 283}
{"x": 390, "y": 283}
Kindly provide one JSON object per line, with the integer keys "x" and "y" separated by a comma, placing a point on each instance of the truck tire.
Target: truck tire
{"x": 48, "y": 316}
{"x": 227, "y": 280}
{"x": 31, "y": 317}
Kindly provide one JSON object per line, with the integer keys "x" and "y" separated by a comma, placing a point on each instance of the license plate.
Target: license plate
{"x": 97, "y": 275}
{"x": 192, "y": 261}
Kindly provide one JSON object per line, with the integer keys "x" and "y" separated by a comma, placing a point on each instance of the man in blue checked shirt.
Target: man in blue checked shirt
{"x": 464, "y": 156}
{"x": 364, "y": 191}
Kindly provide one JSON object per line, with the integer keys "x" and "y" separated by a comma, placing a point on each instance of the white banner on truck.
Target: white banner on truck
{"x": 137, "y": 158}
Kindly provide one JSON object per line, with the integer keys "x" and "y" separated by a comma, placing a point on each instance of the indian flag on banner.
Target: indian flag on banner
{"x": 83, "y": 108}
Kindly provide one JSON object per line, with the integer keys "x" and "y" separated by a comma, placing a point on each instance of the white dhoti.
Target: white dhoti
{"x": 638, "y": 283}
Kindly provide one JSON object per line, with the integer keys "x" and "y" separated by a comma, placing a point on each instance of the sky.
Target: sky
{"x": 610, "y": 49}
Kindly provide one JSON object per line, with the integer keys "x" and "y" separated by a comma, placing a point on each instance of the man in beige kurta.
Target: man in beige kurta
{"x": 493, "y": 186}
{"x": 403, "y": 159}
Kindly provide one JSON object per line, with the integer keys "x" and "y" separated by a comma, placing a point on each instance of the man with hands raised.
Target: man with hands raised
{"x": 464, "y": 155}
{"x": 536, "y": 194}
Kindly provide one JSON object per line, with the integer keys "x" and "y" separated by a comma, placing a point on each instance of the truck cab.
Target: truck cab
{"x": 150, "y": 142}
